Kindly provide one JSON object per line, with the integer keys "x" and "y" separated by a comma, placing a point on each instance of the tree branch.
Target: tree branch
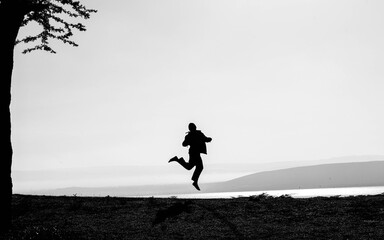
{"x": 52, "y": 16}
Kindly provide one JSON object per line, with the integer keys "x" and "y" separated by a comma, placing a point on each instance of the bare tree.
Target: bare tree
{"x": 55, "y": 18}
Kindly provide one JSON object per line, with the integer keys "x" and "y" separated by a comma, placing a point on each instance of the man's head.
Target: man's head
{"x": 192, "y": 127}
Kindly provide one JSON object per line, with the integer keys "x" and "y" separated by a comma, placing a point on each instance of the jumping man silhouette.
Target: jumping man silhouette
{"x": 196, "y": 140}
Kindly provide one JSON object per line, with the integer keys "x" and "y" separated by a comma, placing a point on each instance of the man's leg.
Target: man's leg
{"x": 187, "y": 165}
{"x": 199, "y": 168}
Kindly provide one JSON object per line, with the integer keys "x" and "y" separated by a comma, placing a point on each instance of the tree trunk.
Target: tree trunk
{"x": 11, "y": 17}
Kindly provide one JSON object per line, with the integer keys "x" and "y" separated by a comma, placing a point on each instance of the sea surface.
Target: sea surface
{"x": 295, "y": 193}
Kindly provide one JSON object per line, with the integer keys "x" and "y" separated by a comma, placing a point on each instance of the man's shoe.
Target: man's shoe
{"x": 173, "y": 159}
{"x": 196, "y": 186}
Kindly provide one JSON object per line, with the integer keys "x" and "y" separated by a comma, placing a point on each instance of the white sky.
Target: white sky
{"x": 268, "y": 80}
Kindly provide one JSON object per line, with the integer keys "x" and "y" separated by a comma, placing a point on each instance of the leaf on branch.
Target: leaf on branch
{"x": 54, "y": 19}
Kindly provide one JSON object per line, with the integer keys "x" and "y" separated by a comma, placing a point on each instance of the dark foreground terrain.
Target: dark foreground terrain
{"x": 256, "y": 217}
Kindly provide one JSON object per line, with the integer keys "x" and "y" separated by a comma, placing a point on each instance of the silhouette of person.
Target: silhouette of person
{"x": 196, "y": 140}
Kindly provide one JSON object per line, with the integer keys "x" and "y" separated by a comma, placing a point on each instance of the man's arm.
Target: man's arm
{"x": 185, "y": 142}
{"x": 207, "y": 139}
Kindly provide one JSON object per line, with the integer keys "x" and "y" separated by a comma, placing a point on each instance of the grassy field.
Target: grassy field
{"x": 256, "y": 217}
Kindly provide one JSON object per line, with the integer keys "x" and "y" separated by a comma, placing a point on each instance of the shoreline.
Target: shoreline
{"x": 295, "y": 193}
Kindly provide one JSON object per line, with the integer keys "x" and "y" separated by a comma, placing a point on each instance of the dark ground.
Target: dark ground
{"x": 256, "y": 217}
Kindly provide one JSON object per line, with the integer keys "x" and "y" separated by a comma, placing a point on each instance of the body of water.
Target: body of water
{"x": 295, "y": 193}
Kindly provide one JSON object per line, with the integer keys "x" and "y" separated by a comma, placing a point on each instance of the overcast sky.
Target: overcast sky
{"x": 269, "y": 81}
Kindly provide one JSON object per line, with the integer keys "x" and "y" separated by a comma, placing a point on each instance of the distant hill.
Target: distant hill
{"x": 129, "y": 176}
{"x": 356, "y": 174}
